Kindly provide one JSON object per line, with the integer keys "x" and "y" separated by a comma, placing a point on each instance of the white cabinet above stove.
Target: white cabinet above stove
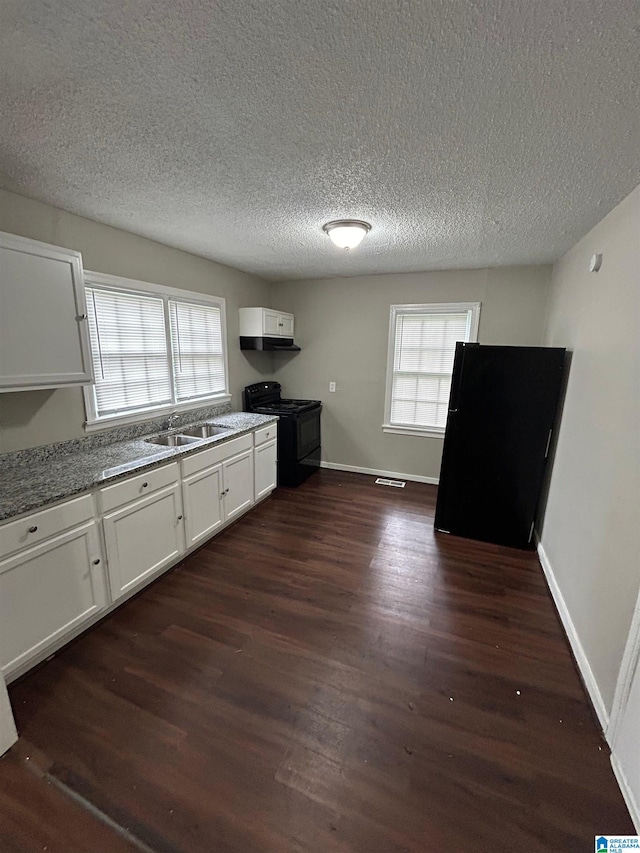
{"x": 265, "y": 323}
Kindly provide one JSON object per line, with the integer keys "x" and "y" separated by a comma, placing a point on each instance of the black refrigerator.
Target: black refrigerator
{"x": 502, "y": 411}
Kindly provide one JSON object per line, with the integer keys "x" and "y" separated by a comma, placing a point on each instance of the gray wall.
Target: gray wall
{"x": 30, "y": 418}
{"x": 342, "y": 325}
{"x": 591, "y": 534}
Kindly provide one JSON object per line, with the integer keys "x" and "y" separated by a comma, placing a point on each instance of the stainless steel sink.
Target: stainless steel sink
{"x": 173, "y": 439}
{"x": 205, "y": 431}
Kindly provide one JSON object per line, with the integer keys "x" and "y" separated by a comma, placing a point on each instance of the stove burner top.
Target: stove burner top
{"x": 265, "y": 397}
{"x": 287, "y": 405}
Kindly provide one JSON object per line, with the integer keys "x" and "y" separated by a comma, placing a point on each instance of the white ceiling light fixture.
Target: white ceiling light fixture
{"x": 347, "y": 233}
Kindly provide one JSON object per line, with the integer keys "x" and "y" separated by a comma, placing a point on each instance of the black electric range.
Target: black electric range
{"x": 298, "y": 430}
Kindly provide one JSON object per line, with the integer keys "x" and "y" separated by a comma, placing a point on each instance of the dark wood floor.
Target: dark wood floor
{"x": 35, "y": 815}
{"x": 329, "y": 676}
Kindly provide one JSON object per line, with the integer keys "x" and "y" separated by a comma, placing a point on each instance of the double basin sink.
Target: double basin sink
{"x": 192, "y": 435}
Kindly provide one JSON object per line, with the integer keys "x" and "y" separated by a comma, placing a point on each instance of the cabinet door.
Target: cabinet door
{"x": 43, "y": 328}
{"x": 270, "y": 323}
{"x": 285, "y": 325}
{"x": 8, "y": 733}
{"x": 142, "y": 538}
{"x": 625, "y": 722}
{"x": 203, "y": 506}
{"x": 265, "y": 469}
{"x": 47, "y": 591}
{"x": 237, "y": 477}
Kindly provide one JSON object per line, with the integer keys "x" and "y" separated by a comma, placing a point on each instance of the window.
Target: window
{"x": 197, "y": 352}
{"x": 153, "y": 348}
{"x": 422, "y": 341}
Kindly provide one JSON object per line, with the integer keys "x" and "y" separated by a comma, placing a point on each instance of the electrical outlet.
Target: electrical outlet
{"x": 332, "y": 386}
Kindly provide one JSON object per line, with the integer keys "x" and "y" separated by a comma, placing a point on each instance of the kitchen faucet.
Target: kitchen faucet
{"x": 172, "y": 420}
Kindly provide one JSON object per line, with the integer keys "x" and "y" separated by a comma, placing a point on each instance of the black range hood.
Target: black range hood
{"x": 269, "y": 344}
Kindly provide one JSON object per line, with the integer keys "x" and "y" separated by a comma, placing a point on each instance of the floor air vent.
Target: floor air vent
{"x": 398, "y": 484}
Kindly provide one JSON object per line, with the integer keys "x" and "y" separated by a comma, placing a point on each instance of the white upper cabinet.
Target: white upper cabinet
{"x": 43, "y": 327}
{"x": 285, "y": 325}
{"x": 265, "y": 323}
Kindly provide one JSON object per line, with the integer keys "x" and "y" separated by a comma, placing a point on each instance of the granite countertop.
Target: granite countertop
{"x": 31, "y": 481}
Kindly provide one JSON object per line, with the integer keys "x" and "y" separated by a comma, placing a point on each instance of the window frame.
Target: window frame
{"x": 104, "y": 281}
{"x": 472, "y": 308}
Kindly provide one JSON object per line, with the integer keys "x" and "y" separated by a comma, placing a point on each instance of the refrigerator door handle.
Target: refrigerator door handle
{"x": 456, "y": 376}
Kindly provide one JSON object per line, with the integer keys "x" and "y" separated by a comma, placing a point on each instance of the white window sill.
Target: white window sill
{"x": 426, "y": 432}
{"x": 152, "y": 414}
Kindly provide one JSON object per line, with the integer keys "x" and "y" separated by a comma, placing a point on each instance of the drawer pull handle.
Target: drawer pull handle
{"x": 96, "y": 562}
{"x": 144, "y": 485}
{"x": 33, "y": 529}
{"x": 180, "y": 518}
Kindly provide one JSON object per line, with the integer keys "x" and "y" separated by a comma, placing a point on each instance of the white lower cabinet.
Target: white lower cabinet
{"x": 203, "y": 504}
{"x": 47, "y": 591}
{"x": 265, "y": 442}
{"x": 53, "y": 577}
{"x": 237, "y": 480}
{"x": 143, "y": 537}
{"x": 265, "y": 469}
{"x": 216, "y": 495}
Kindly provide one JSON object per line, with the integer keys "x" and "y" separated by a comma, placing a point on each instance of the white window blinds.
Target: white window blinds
{"x": 153, "y": 348}
{"x": 129, "y": 347}
{"x": 198, "y": 357}
{"x": 422, "y": 348}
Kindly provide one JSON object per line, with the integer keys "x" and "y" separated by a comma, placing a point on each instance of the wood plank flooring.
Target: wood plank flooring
{"x": 37, "y": 815}
{"x": 328, "y": 675}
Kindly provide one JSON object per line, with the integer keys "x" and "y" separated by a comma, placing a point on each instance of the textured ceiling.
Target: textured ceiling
{"x": 468, "y": 132}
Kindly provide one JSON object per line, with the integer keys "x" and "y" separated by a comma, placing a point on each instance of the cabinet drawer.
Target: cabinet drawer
{"x": 137, "y": 487}
{"x": 267, "y": 433}
{"x": 197, "y": 461}
{"x": 31, "y": 529}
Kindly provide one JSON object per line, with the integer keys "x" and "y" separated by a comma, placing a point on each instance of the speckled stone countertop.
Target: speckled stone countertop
{"x": 31, "y": 479}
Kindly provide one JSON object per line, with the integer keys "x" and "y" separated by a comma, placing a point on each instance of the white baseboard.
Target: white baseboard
{"x": 627, "y": 793}
{"x": 413, "y": 478}
{"x": 576, "y": 646}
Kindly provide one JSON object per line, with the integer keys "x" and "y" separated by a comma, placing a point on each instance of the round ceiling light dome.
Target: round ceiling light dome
{"x": 347, "y": 233}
